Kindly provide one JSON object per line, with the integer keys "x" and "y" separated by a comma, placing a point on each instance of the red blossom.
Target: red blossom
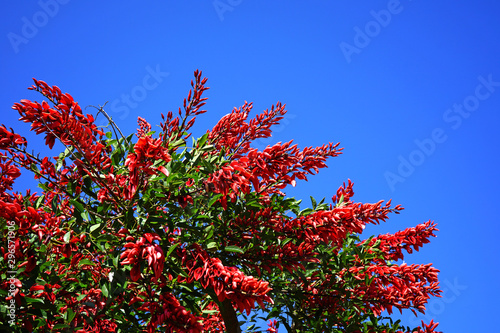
{"x": 144, "y": 248}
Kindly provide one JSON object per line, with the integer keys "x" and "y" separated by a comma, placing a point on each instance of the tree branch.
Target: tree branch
{"x": 228, "y": 313}
{"x": 229, "y": 316}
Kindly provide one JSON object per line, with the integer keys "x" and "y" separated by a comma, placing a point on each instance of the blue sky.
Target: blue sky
{"x": 411, "y": 89}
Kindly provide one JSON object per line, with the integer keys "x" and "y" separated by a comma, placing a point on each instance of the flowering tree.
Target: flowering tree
{"x": 162, "y": 233}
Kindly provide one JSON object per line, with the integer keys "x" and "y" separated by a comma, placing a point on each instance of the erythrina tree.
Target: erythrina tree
{"x": 162, "y": 233}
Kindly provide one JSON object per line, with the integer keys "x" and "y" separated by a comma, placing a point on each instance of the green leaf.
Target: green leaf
{"x": 171, "y": 249}
{"x": 177, "y": 143}
{"x": 104, "y": 289}
{"x": 59, "y": 326}
{"x": 77, "y": 205}
{"x": 44, "y": 187}
{"x": 54, "y": 204}
{"x": 211, "y": 245}
{"x": 33, "y": 300}
{"x": 85, "y": 262}
{"x": 214, "y": 199}
{"x": 70, "y": 314}
{"x": 313, "y": 201}
{"x": 116, "y": 157}
{"x": 89, "y": 304}
{"x": 116, "y": 259}
{"x": 66, "y": 237}
{"x": 233, "y": 248}
{"x": 94, "y": 227}
{"x": 341, "y": 200}
{"x": 154, "y": 219}
{"x": 208, "y": 148}
{"x": 71, "y": 188}
{"x": 39, "y": 201}
{"x": 209, "y": 231}
{"x": 87, "y": 188}
{"x": 202, "y": 140}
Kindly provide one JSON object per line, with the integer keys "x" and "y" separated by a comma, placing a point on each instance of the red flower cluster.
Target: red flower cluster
{"x": 146, "y": 151}
{"x": 8, "y": 173}
{"x": 234, "y": 135}
{"x": 65, "y": 121}
{"x": 269, "y": 170}
{"x": 392, "y": 286}
{"x": 272, "y": 326}
{"x": 92, "y": 304}
{"x": 144, "y": 248}
{"x": 169, "y": 313}
{"x": 9, "y": 139}
{"x": 226, "y": 282}
{"x": 335, "y": 224}
{"x": 392, "y": 245}
{"x": 174, "y": 129}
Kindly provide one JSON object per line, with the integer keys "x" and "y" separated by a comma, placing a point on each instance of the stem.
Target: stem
{"x": 229, "y": 316}
{"x": 111, "y": 122}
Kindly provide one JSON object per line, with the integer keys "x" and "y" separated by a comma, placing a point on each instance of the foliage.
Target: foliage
{"x": 172, "y": 234}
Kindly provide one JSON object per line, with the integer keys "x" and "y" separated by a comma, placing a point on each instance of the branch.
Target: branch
{"x": 229, "y": 316}
{"x": 228, "y": 313}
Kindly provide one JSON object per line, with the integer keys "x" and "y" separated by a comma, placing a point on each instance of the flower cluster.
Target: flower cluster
{"x": 226, "y": 282}
{"x": 143, "y": 248}
{"x": 167, "y": 312}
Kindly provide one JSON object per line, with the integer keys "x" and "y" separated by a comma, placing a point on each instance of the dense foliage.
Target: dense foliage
{"x": 165, "y": 233}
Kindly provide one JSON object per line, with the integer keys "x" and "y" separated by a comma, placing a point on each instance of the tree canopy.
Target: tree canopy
{"x": 163, "y": 232}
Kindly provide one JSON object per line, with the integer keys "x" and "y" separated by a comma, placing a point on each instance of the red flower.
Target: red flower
{"x": 144, "y": 248}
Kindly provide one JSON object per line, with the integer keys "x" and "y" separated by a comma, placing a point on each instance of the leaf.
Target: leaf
{"x": 71, "y": 188}
{"x": 116, "y": 259}
{"x": 214, "y": 199}
{"x": 70, "y": 314}
{"x": 177, "y": 143}
{"x": 208, "y": 148}
{"x": 105, "y": 290}
{"x": 341, "y": 200}
{"x": 33, "y": 300}
{"x": 44, "y": 187}
{"x": 85, "y": 262}
{"x": 39, "y": 201}
{"x": 211, "y": 245}
{"x": 94, "y": 227}
{"x": 89, "y": 304}
{"x": 209, "y": 231}
{"x": 59, "y": 326}
{"x": 156, "y": 220}
{"x": 313, "y": 201}
{"x": 54, "y": 204}
{"x": 210, "y": 312}
{"x": 77, "y": 205}
{"x": 171, "y": 249}
{"x": 233, "y": 248}
{"x": 202, "y": 140}
{"x": 66, "y": 237}
{"x": 116, "y": 157}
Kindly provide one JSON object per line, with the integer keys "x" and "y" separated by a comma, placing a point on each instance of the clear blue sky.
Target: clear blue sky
{"x": 411, "y": 89}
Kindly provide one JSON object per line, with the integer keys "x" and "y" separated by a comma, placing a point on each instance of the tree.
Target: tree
{"x": 164, "y": 233}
